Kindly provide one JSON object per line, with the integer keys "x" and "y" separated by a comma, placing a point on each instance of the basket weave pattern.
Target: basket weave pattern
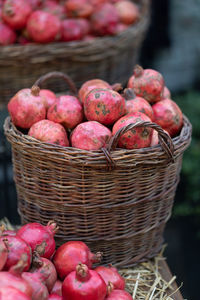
{"x": 120, "y": 210}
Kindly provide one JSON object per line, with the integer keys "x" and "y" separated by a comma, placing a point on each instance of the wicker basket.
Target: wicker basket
{"x": 109, "y": 58}
{"x": 116, "y": 200}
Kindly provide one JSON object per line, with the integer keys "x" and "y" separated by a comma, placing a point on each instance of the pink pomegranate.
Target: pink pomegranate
{"x": 78, "y": 8}
{"x": 40, "y": 237}
{"x": 110, "y": 274}
{"x": 104, "y": 105}
{"x": 155, "y": 138}
{"x": 137, "y": 104}
{"x": 136, "y": 138}
{"x": 55, "y": 8}
{"x": 70, "y": 254}
{"x": 105, "y": 20}
{"x": 27, "y": 107}
{"x": 11, "y": 293}
{"x": 84, "y": 284}
{"x": 57, "y": 288}
{"x": 55, "y": 297}
{"x": 71, "y": 30}
{"x": 90, "y": 136}
{"x": 128, "y": 11}
{"x": 35, "y": 282}
{"x": 43, "y": 27}
{"x": 166, "y": 93}
{"x": 91, "y": 85}
{"x": 3, "y": 254}
{"x": 119, "y": 295}
{"x": 168, "y": 115}
{"x": 16, "y": 13}
{"x": 49, "y": 132}
{"x": 48, "y": 96}
{"x": 147, "y": 83}
{"x": 67, "y": 110}
{"x": 7, "y": 35}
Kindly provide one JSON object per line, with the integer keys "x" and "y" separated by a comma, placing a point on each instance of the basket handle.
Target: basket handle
{"x": 55, "y": 74}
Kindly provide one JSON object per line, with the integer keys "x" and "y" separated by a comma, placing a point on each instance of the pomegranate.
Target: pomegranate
{"x": 147, "y": 83}
{"x": 40, "y": 237}
{"x": 168, "y": 115}
{"x": 11, "y": 293}
{"x": 105, "y": 20}
{"x": 49, "y": 132}
{"x": 155, "y": 138}
{"x": 27, "y": 107}
{"x": 16, "y": 248}
{"x": 55, "y": 297}
{"x": 67, "y": 110}
{"x": 7, "y": 35}
{"x": 128, "y": 11}
{"x": 137, "y": 104}
{"x": 70, "y": 254}
{"x": 90, "y": 136}
{"x": 55, "y": 8}
{"x": 110, "y": 274}
{"x": 71, "y": 30}
{"x": 136, "y": 138}
{"x": 39, "y": 289}
{"x": 57, "y": 288}
{"x": 48, "y": 96}
{"x": 166, "y": 93}
{"x": 78, "y": 8}
{"x": 90, "y": 85}
{"x": 16, "y": 13}
{"x": 104, "y": 105}
{"x": 84, "y": 284}
{"x": 85, "y": 25}
{"x": 119, "y": 295}
{"x": 3, "y": 254}
{"x": 13, "y": 278}
{"x": 43, "y": 27}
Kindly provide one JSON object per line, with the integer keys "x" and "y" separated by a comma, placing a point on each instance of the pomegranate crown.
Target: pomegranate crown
{"x": 138, "y": 71}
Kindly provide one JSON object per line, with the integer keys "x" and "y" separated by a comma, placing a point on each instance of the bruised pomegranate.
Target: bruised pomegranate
{"x": 48, "y": 96}
{"x": 43, "y": 27}
{"x": 16, "y": 13}
{"x": 3, "y": 254}
{"x": 91, "y": 85}
{"x": 55, "y": 297}
{"x": 11, "y": 293}
{"x": 137, "y": 104}
{"x": 84, "y": 284}
{"x": 168, "y": 115}
{"x": 67, "y": 110}
{"x": 57, "y": 288}
{"x": 70, "y": 254}
{"x": 147, "y": 83}
{"x": 119, "y": 295}
{"x": 27, "y": 107}
{"x": 7, "y": 35}
{"x": 39, "y": 289}
{"x": 90, "y": 136}
{"x": 166, "y": 93}
{"x": 104, "y": 105}
{"x": 40, "y": 237}
{"x": 128, "y": 11}
{"x": 105, "y": 19}
{"x": 49, "y": 132}
{"x": 136, "y": 138}
{"x": 110, "y": 274}
{"x": 78, "y": 8}
{"x": 71, "y": 30}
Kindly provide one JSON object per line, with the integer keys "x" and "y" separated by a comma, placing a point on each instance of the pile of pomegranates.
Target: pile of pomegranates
{"x": 45, "y": 21}
{"x": 32, "y": 268}
{"x": 90, "y": 118}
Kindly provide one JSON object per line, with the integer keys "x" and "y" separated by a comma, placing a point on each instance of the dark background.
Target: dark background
{"x": 183, "y": 230}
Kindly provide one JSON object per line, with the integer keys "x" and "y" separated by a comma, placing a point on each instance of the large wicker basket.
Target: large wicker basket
{"x": 109, "y": 58}
{"x": 116, "y": 200}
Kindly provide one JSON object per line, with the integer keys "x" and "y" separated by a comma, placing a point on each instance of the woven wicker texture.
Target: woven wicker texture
{"x": 109, "y": 58}
{"x": 116, "y": 200}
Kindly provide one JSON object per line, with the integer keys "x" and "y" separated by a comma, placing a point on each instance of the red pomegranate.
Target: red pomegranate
{"x": 90, "y": 136}
{"x": 43, "y": 27}
{"x": 40, "y": 291}
{"x": 7, "y": 35}
{"x": 168, "y": 115}
{"x": 40, "y": 237}
{"x": 3, "y": 254}
{"x": 70, "y": 254}
{"x": 110, "y": 274}
{"x": 119, "y": 295}
{"x": 137, "y": 104}
{"x": 128, "y": 11}
{"x": 72, "y": 30}
{"x": 78, "y": 8}
{"x": 91, "y": 85}
{"x": 27, "y": 107}
{"x": 11, "y": 293}
{"x": 104, "y": 105}
{"x": 136, "y": 138}
{"x": 105, "y": 20}
{"x": 49, "y": 132}
{"x": 84, "y": 284}
{"x": 147, "y": 83}
{"x": 166, "y": 93}
{"x": 48, "y": 96}
{"x": 16, "y": 13}
{"x": 57, "y": 288}
{"x": 67, "y": 110}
